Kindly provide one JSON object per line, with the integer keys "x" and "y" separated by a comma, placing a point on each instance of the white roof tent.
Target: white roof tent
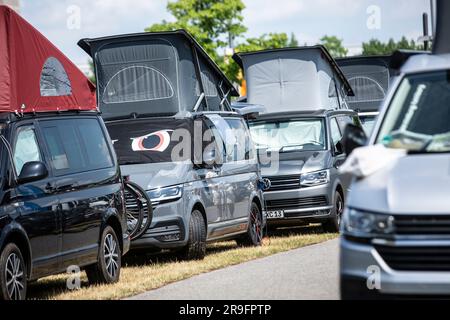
{"x": 371, "y": 76}
{"x": 294, "y": 79}
{"x": 156, "y": 74}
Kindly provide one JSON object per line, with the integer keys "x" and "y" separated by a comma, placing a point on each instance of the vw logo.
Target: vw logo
{"x": 267, "y": 184}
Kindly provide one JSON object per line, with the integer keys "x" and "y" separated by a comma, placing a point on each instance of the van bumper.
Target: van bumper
{"x": 300, "y": 206}
{"x": 363, "y": 267}
{"x": 168, "y": 228}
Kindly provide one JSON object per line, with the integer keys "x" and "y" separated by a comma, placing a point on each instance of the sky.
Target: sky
{"x": 64, "y": 22}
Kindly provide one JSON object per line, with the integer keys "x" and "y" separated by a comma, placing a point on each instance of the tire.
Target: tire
{"x": 332, "y": 225}
{"x": 196, "y": 247}
{"x": 107, "y": 268}
{"x": 254, "y": 234}
{"x": 139, "y": 218}
{"x": 13, "y": 274}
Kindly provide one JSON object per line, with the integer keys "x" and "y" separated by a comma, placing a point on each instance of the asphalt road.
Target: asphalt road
{"x": 309, "y": 273}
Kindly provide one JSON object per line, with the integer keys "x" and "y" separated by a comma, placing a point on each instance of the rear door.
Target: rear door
{"x": 83, "y": 163}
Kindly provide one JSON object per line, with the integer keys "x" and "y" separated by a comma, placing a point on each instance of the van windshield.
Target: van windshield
{"x": 418, "y": 117}
{"x": 289, "y": 136}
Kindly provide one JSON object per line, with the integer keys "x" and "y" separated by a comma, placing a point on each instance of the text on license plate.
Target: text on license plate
{"x": 275, "y": 214}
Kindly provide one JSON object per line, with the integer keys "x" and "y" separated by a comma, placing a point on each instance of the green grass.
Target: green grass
{"x": 143, "y": 272}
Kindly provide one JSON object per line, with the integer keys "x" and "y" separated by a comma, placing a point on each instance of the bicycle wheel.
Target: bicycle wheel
{"x": 139, "y": 210}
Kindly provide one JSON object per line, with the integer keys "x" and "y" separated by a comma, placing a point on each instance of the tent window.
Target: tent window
{"x": 366, "y": 90}
{"x": 208, "y": 84}
{"x": 136, "y": 84}
{"x": 54, "y": 79}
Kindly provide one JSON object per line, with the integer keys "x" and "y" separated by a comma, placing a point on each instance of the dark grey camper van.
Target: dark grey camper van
{"x": 298, "y": 137}
{"x": 166, "y": 105}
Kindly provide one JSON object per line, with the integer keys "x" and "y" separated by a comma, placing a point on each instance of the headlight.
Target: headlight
{"x": 364, "y": 224}
{"x": 315, "y": 178}
{"x": 166, "y": 194}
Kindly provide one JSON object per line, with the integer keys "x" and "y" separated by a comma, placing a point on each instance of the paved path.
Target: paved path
{"x": 305, "y": 273}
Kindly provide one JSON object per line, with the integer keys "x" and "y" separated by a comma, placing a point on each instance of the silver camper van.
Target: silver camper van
{"x": 396, "y": 227}
{"x": 298, "y": 136}
{"x": 167, "y": 107}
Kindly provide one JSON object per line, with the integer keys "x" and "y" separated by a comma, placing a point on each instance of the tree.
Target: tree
{"x": 334, "y": 46}
{"x": 376, "y": 47}
{"x": 293, "y": 42}
{"x": 214, "y": 23}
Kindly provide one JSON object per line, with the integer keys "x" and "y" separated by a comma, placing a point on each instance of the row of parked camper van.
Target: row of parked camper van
{"x": 160, "y": 117}
{"x": 212, "y": 169}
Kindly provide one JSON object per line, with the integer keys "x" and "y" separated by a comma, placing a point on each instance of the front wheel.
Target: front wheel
{"x": 13, "y": 274}
{"x": 332, "y": 225}
{"x": 254, "y": 234}
{"x": 107, "y": 268}
{"x": 196, "y": 247}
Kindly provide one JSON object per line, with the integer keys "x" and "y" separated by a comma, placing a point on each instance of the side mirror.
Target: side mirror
{"x": 354, "y": 137}
{"x": 32, "y": 171}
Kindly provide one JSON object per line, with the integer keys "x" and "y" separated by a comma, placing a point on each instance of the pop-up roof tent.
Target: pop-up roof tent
{"x": 371, "y": 76}
{"x": 154, "y": 74}
{"x": 34, "y": 75}
{"x": 293, "y": 79}
{"x": 370, "y": 79}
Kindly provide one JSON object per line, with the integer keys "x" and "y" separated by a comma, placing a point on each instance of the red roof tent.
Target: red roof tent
{"x": 34, "y": 75}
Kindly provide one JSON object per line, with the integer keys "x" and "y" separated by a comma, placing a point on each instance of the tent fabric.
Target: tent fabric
{"x": 370, "y": 78}
{"x": 292, "y": 80}
{"x": 34, "y": 75}
{"x": 162, "y": 77}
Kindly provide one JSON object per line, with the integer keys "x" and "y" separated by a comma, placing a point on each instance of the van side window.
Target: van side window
{"x": 26, "y": 148}
{"x": 76, "y": 146}
{"x": 336, "y": 135}
{"x": 241, "y": 147}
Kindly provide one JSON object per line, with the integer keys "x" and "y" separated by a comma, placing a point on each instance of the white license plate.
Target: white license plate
{"x": 275, "y": 214}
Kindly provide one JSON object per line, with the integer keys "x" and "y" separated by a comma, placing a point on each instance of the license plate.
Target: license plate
{"x": 275, "y": 214}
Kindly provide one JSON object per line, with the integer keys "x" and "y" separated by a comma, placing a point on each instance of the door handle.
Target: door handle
{"x": 50, "y": 188}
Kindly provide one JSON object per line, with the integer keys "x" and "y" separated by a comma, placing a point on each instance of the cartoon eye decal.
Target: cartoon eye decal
{"x": 157, "y": 141}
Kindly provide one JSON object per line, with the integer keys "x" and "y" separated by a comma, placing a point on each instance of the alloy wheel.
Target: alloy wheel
{"x": 339, "y": 209}
{"x": 15, "y": 278}
{"x": 256, "y": 226}
{"x": 111, "y": 255}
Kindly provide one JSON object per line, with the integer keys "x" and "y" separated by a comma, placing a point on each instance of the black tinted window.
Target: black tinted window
{"x": 76, "y": 146}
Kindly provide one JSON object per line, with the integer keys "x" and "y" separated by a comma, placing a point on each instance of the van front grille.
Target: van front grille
{"x": 297, "y": 203}
{"x": 422, "y": 225}
{"x": 429, "y": 258}
{"x": 284, "y": 182}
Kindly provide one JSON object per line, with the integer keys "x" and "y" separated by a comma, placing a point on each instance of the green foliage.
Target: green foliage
{"x": 334, "y": 46}
{"x": 376, "y": 47}
{"x": 211, "y": 22}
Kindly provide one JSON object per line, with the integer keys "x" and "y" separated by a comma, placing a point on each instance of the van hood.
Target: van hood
{"x": 297, "y": 163}
{"x": 415, "y": 184}
{"x": 153, "y": 175}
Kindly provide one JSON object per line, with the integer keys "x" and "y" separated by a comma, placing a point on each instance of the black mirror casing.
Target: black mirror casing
{"x": 354, "y": 137}
{"x": 339, "y": 148}
{"x": 32, "y": 171}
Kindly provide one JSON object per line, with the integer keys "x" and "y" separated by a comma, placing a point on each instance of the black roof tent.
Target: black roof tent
{"x": 154, "y": 74}
{"x": 371, "y": 76}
